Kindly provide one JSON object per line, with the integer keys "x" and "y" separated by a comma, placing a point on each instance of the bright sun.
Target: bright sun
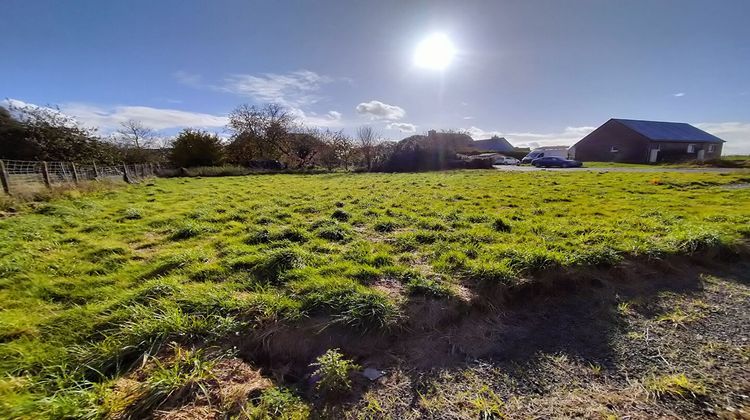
{"x": 435, "y": 52}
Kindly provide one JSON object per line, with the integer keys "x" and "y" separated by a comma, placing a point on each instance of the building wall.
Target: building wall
{"x": 678, "y": 151}
{"x": 597, "y": 146}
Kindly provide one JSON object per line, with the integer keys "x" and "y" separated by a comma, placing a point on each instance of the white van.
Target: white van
{"x": 546, "y": 151}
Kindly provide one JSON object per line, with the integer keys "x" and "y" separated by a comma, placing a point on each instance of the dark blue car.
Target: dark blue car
{"x": 555, "y": 162}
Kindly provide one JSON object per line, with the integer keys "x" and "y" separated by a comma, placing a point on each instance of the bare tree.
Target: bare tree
{"x": 337, "y": 151}
{"x": 347, "y": 151}
{"x": 264, "y": 131}
{"x": 368, "y": 139}
{"x": 136, "y": 134}
{"x": 302, "y": 148}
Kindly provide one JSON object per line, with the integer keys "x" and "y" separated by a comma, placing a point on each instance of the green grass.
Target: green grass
{"x": 732, "y": 161}
{"x": 89, "y": 283}
{"x": 623, "y": 165}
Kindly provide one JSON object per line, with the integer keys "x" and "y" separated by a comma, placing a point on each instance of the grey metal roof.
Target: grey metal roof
{"x": 669, "y": 131}
{"x": 497, "y": 144}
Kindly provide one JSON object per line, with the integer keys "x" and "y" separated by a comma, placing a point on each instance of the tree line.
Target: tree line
{"x": 267, "y": 136}
{"x": 272, "y": 137}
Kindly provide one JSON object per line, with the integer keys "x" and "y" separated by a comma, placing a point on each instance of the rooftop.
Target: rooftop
{"x": 669, "y": 131}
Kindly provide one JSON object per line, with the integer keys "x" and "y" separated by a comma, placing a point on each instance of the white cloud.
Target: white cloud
{"x": 331, "y": 119}
{"x": 376, "y": 110}
{"x": 736, "y": 134}
{"x": 155, "y": 118}
{"x": 567, "y": 137}
{"x": 292, "y": 89}
{"x": 477, "y": 133}
{"x": 468, "y": 118}
{"x": 190, "y": 79}
{"x": 678, "y": 94}
{"x": 402, "y": 127}
{"x": 108, "y": 119}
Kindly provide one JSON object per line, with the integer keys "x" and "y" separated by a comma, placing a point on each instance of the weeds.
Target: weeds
{"x": 276, "y": 403}
{"x": 332, "y": 372}
{"x": 166, "y": 383}
{"x": 679, "y": 317}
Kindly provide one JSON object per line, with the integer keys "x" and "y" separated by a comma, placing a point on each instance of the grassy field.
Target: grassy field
{"x": 120, "y": 302}
{"x": 731, "y": 161}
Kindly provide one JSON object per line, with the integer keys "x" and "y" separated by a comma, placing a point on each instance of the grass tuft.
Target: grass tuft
{"x": 132, "y": 213}
{"x": 275, "y": 263}
{"x": 187, "y": 230}
{"x": 501, "y": 225}
{"x": 340, "y": 215}
{"x": 677, "y": 385}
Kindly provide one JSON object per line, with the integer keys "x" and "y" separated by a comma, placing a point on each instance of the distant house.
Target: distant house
{"x": 494, "y": 144}
{"x": 637, "y": 141}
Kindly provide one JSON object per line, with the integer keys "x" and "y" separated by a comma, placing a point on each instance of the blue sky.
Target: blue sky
{"x": 536, "y": 72}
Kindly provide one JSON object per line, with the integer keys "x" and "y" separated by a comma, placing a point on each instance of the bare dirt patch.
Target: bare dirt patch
{"x": 591, "y": 348}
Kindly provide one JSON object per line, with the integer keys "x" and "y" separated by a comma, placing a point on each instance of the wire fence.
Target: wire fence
{"x": 21, "y": 176}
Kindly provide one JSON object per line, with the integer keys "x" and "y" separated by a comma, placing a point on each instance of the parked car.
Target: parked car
{"x": 556, "y": 162}
{"x": 546, "y": 151}
{"x": 507, "y": 160}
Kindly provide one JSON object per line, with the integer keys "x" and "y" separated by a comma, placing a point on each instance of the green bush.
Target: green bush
{"x": 192, "y": 148}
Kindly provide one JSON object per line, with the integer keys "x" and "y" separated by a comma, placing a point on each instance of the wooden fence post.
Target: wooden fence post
{"x": 127, "y": 176}
{"x": 96, "y": 171}
{"x": 4, "y": 178}
{"x": 45, "y": 175}
{"x": 75, "y": 172}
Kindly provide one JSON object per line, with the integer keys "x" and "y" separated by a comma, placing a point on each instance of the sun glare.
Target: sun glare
{"x": 435, "y": 52}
